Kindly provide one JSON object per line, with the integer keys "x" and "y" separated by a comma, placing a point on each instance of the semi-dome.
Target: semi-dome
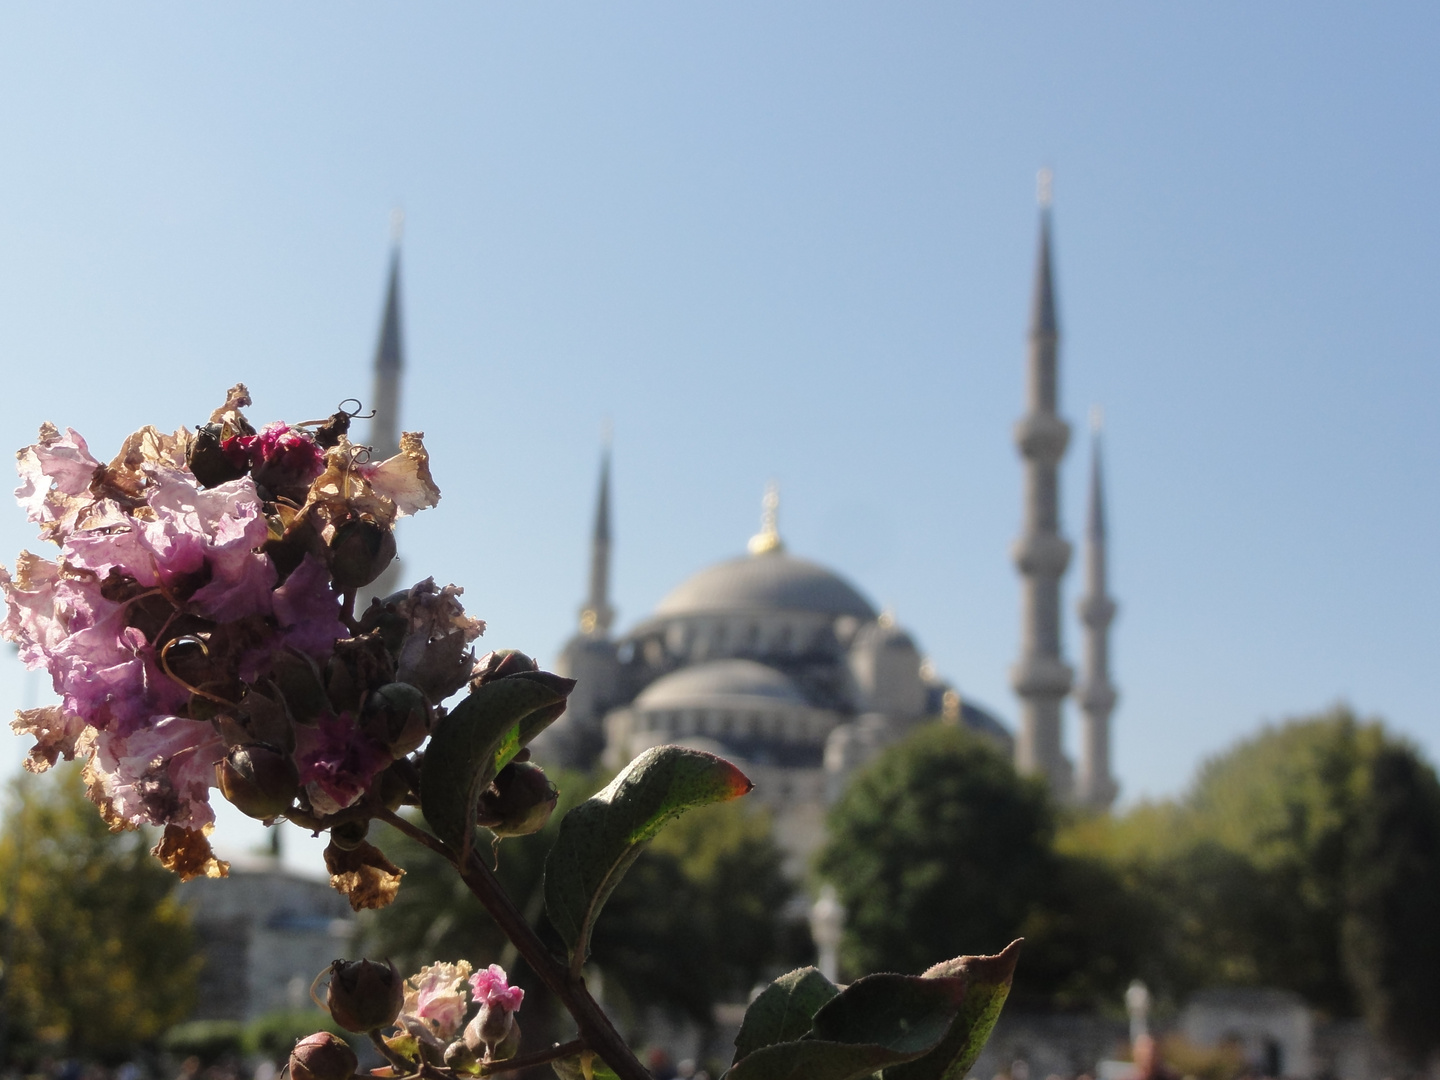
{"x": 721, "y": 683}
{"x": 771, "y": 581}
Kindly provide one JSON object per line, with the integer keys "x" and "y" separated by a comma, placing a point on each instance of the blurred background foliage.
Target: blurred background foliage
{"x": 98, "y": 954}
{"x": 1305, "y": 858}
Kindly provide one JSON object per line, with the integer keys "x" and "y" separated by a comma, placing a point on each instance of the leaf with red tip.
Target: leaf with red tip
{"x": 987, "y": 984}
{"x": 603, "y": 836}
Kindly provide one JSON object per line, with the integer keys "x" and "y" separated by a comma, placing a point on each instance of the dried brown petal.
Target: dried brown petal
{"x": 55, "y": 733}
{"x": 187, "y": 852}
{"x": 366, "y": 877}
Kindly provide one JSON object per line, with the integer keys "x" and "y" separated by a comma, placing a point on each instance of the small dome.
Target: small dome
{"x": 773, "y": 581}
{"x": 721, "y": 683}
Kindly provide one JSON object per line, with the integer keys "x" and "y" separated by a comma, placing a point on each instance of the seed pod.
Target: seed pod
{"x": 207, "y": 459}
{"x": 298, "y": 680}
{"x": 500, "y": 664}
{"x": 260, "y": 781}
{"x": 322, "y": 1056}
{"x": 519, "y": 801}
{"x": 349, "y": 835}
{"x": 398, "y": 716}
{"x": 360, "y": 551}
{"x": 493, "y": 1033}
{"x": 364, "y": 995}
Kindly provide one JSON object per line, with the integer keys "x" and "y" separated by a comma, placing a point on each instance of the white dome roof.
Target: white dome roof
{"x": 773, "y": 581}
{"x": 739, "y": 684}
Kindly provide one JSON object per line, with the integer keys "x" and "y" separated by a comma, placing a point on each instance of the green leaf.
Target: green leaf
{"x": 476, "y": 740}
{"x": 987, "y": 984}
{"x": 905, "y": 1013}
{"x": 875, "y": 1023}
{"x": 583, "y": 1066}
{"x": 783, "y": 1010}
{"x": 603, "y": 836}
{"x": 811, "y": 1059}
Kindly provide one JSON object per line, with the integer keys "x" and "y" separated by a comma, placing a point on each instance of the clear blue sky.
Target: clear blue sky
{"x": 790, "y": 241}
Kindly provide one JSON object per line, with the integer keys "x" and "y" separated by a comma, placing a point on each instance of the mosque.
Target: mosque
{"x": 786, "y": 668}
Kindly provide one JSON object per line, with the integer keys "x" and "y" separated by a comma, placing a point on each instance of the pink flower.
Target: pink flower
{"x": 436, "y": 1001}
{"x": 55, "y": 475}
{"x": 281, "y": 457}
{"x": 161, "y": 774}
{"x": 337, "y": 762}
{"x": 308, "y": 609}
{"x": 493, "y": 988}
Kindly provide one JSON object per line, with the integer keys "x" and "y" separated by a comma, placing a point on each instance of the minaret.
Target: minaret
{"x": 1095, "y": 695}
{"x": 1040, "y": 676}
{"x": 389, "y": 358}
{"x": 597, "y": 614}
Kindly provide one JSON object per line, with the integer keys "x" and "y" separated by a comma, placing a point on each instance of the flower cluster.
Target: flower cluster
{"x": 199, "y": 627}
{"x": 428, "y": 1010}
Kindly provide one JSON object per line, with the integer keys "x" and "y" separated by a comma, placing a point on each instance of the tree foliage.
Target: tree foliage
{"x": 99, "y": 953}
{"x": 939, "y": 848}
{"x": 1305, "y": 858}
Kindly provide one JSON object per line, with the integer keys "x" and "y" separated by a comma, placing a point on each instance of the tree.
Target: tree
{"x": 1305, "y": 858}
{"x": 1389, "y": 942}
{"x": 100, "y": 957}
{"x": 939, "y": 848}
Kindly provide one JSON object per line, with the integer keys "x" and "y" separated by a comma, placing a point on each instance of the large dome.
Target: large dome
{"x": 773, "y": 581}
{"x": 721, "y": 683}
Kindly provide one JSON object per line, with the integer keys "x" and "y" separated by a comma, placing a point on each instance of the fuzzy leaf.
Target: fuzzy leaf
{"x": 987, "y": 984}
{"x": 783, "y": 1011}
{"x": 474, "y": 742}
{"x": 811, "y": 1059}
{"x": 603, "y": 836}
{"x": 875, "y": 1023}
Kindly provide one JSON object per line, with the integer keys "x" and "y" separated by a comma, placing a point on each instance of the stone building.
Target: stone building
{"x": 266, "y": 933}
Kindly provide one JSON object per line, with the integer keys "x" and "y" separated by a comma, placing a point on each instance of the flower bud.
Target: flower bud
{"x": 493, "y": 1033}
{"x": 364, "y": 995}
{"x": 519, "y": 801}
{"x": 398, "y": 716}
{"x": 299, "y": 683}
{"x": 210, "y": 462}
{"x": 259, "y": 781}
{"x": 284, "y": 460}
{"x": 500, "y": 664}
{"x": 322, "y": 1056}
{"x": 360, "y": 551}
{"x": 349, "y": 835}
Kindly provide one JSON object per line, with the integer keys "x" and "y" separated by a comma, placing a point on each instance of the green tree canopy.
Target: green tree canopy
{"x": 99, "y": 955}
{"x": 938, "y": 848}
{"x": 1306, "y": 858}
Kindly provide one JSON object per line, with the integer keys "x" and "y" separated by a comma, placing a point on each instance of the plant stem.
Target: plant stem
{"x": 596, "y": 1031}
{"x": 540, "y": 1057}
{"x": 403, "y": 1065}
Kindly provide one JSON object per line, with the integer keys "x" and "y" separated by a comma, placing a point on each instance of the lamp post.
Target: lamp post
{"x": 1137, "y": 1004}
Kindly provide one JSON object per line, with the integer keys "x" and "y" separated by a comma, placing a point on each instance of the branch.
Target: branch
{"x": 540, "y": 1057}
{"x": 596, "y": 1031}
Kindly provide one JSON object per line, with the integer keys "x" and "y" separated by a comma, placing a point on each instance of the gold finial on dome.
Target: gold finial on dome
{"x": 768, "y": 538}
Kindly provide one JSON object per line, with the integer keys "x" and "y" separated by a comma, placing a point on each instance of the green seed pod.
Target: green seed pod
{"x": 360, "y": 551}
{"x": 519, "y": 802}
{"x": 398, "y": 716}
{"x": 364, "y": 995}
{"x": 260, "y": 781}
{"x": 322, "y": 1056}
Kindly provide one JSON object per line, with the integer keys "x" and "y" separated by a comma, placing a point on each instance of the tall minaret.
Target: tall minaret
{"x": 1040, "y": 676}
{"x": 597, "y": 614}
{"x": 1095, "y": 695}
{"x": 389, "y": 358}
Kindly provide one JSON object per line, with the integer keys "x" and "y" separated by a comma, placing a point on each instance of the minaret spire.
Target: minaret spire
{"x": 1040, "y": 676}
{"x": 389, "y": 358}
{"x": 597, "y": 614}
{"x": 1095, "y": 694}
